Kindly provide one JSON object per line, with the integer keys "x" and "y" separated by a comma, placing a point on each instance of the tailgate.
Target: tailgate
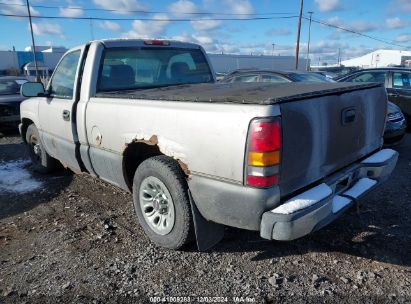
{"x": 323, "y": 134}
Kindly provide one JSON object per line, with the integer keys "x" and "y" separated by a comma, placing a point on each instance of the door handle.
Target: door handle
{"x": 66, "y": 115}
{"x": 348, "y": 116}
{"x": 393, "y": 95}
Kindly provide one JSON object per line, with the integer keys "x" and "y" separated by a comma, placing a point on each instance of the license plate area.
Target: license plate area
{"x": 343, "y": 183}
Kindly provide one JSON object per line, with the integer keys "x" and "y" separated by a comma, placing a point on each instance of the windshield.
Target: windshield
{"x": 139, "y": 68}
{"x": 10, "y": 86}
{"x": 309, "y": 77}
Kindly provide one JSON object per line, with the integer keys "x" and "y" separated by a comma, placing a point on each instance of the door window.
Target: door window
{"x": 401, "y": 80}
{"x": 273, "y": 79}
{"x": 62, "y": 83}
{"x": 370, "y": 77}
{"x": 246, "y": 78}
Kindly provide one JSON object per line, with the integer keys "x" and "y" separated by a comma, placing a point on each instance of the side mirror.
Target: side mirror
{"x": 32, "y": 89}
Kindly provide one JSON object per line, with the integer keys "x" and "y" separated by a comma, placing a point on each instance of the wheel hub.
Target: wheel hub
{"x": 157, "y": 205}
{"x": 37, "y": 149}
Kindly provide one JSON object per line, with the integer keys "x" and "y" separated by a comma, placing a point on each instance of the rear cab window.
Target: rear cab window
{"x": 150, "y": 67}
{"x": 379, "y": 76}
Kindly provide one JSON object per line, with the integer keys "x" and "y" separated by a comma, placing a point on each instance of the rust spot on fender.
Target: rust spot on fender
{"x": 184, "y": 167}
{"x": 152, "y": 141}
{"x": 66, "y": 166}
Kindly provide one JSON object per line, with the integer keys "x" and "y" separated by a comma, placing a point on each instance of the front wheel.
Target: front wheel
{"x": 42, "y": 161}
{"x": 160, "y": 195}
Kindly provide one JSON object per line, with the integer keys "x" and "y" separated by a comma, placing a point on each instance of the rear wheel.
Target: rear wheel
{"x": 160, "y": 195}
{"x": 42, "y": 161}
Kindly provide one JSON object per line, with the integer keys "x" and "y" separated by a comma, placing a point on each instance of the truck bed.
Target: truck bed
{"x": 246, "y": 93}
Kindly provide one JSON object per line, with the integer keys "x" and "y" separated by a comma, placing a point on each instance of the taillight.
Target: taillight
{"x": 263, "y": 153}
{"x": 156, "y": 42}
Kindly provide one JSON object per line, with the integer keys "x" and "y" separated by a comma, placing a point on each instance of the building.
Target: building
{"x": 380, "y": 58}
{"x": 13, "y": 62}
{"x": 225, "y": 63}
{"x": 48, "y": 57}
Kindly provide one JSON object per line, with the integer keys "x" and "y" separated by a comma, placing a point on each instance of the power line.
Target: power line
{"x": 149, "y": 19}
{"x": 210, "y": 19}
{"x": 355, "y": 32}
{"x": 145, "y": 11}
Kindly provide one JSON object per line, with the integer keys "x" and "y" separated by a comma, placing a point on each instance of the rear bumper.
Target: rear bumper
{"x": 320, "y": 205}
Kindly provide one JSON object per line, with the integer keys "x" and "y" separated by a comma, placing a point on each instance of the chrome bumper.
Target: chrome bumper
{"x": 322, "y": 204}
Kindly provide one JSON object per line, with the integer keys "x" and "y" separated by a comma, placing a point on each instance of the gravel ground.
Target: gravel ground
{"x": 76, "y": 239}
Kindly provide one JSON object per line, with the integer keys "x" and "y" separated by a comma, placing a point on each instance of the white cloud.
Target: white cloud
{"x": 328, "y": 5}
{"x": 17, "y": 7}
{"x": 402, "y": 5}
{"x": 363, "y": 26}
{"x": 357, "y": 26}
{"x": 335, "y": 21}
{"x": 203, "y": 40}
{"x": 71, "y": 12}
{"x": 395, "y": 23}
{"x": 121, "y": 6}
{"x": 403, "y": 38}
{"x": 45, "y": 29}
{"x": 183, "y": 7}
{"x": 278, "y": 32}
{"x": 148, "y": 29}
{"x": 240, "y": 6}
{"x": 205, "y": 24}
{"x": 110, "y": 25}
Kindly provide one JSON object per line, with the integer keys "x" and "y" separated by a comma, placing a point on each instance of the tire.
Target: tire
{"x": 160, "y": 192}
{"x": 41, "y": 160}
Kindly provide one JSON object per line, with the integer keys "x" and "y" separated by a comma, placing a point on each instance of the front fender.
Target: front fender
{"x": 29, "y": 111}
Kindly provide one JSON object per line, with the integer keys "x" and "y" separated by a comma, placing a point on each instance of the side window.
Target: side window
{"x": 246, "y": 78}
{"x": 62, "y": 83}
{"x": 370, "y": 77}
{"x": 273, "y": 79}
{"x": 401, "y": 80}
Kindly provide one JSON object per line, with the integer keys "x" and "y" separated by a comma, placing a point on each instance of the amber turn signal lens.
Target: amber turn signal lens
{"x": 262, "y": 159}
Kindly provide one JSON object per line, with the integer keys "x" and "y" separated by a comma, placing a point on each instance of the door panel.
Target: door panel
{"x": 56, "y": 112}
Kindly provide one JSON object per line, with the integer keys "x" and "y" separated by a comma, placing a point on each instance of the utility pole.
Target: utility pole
{"x": 297, "y": 47}
{"x": 339, "y": 58}
{"x": 309, "y": 39}
{"x": 273, "y": 49}
{"x": 32, "y": 42}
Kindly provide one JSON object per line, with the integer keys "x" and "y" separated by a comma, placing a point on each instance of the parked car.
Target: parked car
{"x": 273, "y": 76}
{"x": 396, "y": 124}
{"x": 329, "y": 75}
{"x": 397, "y": 81}
{"x": 149, "y": 117}
{"x": 339, "y": 71}
{"x": 10, "y": 99}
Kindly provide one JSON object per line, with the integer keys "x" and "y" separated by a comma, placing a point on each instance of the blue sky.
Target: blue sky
{"x": 385, "y": 19}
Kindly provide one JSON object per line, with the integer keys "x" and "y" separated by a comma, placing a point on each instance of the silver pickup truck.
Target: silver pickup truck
{"x": 148, "y": 116}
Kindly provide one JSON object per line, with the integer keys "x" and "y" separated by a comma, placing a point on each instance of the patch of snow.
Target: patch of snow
{"x": 380, "y": 156}
{"x": 339, "y": 202}
{"x": 15, "y": 178}
{"x": 360, "y": 187}
{"x": 304, "y": 200}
